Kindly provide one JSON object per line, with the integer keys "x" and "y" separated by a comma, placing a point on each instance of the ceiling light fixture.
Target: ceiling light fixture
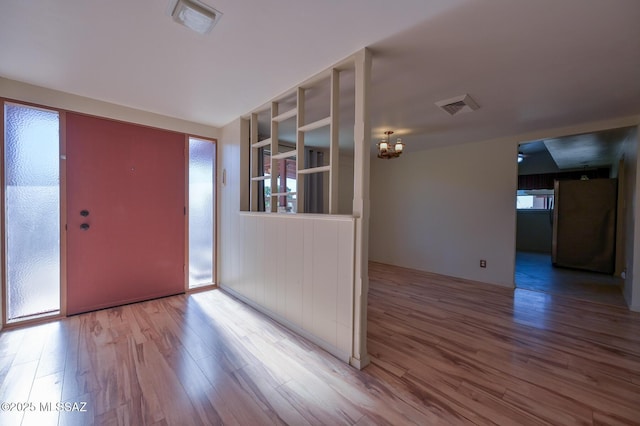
{"x": 195, "y": 15}
{"x": 386, "y": 150}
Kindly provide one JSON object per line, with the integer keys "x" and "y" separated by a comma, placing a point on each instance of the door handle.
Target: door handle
{"x": 84, "y": 226}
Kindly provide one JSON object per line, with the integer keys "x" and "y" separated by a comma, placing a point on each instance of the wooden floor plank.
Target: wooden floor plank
{"x": 543, "y": 347}
{"x": 45, "y": 389}
{"x": 15, "y": 389}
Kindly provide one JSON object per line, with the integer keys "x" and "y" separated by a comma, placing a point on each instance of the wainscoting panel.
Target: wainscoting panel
{"x": 299, "y": 270}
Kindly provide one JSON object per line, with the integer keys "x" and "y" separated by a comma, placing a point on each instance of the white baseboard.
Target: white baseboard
{"x": 360, "y": 363}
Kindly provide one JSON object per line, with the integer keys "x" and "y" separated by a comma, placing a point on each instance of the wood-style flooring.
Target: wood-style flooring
{"x": 466, "y": 352}
{"x": 534, "y": 271}
{"x": 443, "y": 351}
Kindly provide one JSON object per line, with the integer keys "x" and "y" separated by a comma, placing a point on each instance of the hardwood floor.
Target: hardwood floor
{"x": 443, "y": 351}
{"x": 534, "y": 271}
{"x": 469, "y": 352}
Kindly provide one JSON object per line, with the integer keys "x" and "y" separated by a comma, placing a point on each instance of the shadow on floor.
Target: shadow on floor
{"x": 534, "y": 271}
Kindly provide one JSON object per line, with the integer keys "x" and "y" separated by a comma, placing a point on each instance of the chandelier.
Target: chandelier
{"x": 386, "y": 150}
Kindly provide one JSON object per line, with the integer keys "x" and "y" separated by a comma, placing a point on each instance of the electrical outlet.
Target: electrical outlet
{"x": 483, "y": 263}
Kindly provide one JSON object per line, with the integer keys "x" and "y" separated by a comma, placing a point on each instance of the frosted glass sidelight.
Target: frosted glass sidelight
{"x": 201, "y": 211}
{"x": 32, "y": 203}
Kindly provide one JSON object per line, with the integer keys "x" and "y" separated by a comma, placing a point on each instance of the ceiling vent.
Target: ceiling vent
{"x": 458, "y": 105}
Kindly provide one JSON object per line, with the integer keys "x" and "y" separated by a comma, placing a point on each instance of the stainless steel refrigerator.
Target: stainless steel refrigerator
{"x": 584, "y": 222}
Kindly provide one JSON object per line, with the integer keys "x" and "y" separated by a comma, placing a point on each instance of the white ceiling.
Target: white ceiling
{"x": 574, "y": 152}
{"x": 600, "y": 149}
{"x": 529, "y": 64}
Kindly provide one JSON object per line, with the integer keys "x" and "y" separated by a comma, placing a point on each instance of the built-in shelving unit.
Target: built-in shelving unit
{"x": 273, "y": 150}
{"x": 319, "y": 261}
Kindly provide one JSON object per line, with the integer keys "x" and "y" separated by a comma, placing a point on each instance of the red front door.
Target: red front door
{"x": 125, "y": 213}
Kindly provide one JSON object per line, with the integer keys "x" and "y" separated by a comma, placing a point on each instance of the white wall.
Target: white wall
{"x": 296, "y": 268}
{"x": 23, "y": 92}
{"x": 632, "y": 221}
{"x": 634, "y": 303}
{"x": 228, "y": 252}
{"x": 442, "y": 210}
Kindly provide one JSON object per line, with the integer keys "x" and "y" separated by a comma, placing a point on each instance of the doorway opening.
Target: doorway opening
{"x": 31, "y": 210}
{"x": 569, "y": 244}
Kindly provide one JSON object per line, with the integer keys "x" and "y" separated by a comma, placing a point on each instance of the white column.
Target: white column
{"x": 362, "y": 138}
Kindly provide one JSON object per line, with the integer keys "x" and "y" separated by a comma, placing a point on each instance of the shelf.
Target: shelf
{"x": 262, "y": 143}
{"x": 259, "y": 178}
{"x": 282, "y": 155}
{"x": 285, "y": 115}
{"x": 315, "y": 125}
{"x": 280, "y": 194}
{"x": 314, "y": 170}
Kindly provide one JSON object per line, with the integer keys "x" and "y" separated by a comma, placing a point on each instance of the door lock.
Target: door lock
{"x": 84, "y": 226}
